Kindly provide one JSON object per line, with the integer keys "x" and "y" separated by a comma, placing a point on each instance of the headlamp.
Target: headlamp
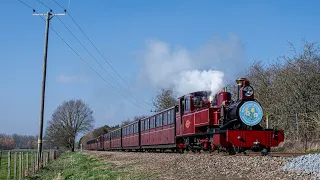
{"x": 248, "y": 91}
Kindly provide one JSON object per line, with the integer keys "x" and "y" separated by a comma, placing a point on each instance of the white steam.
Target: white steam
{"x": 205, "y": 69}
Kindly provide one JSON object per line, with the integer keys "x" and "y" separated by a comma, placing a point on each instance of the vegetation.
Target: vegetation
{"x": 164, "y": 100}
{"x": 289, "y": 90}
{"x": 16, "y": 141}
{"x": 78, "y": 166}
{"x": 67, "y": 121}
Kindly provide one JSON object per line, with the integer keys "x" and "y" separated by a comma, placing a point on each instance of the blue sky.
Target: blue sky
{"x": 120, "y": 30}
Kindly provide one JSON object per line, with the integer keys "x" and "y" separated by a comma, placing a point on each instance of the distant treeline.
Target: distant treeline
{"x": 16, "y": 141}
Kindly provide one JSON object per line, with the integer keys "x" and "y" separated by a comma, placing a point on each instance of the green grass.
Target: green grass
{"x": 4, "y": 163}
{"x": 78, "y": 166}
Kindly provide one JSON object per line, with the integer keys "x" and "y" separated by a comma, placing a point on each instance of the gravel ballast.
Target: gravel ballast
{"x": 199, "y": 166}
{"x": 306, "y": 163}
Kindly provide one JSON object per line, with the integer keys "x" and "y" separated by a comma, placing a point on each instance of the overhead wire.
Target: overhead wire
{"x": 87, "y": 50}
{"x": 97, "y": 50}
{"x": 82, "y": 58}
{"x": 146, "y": 105}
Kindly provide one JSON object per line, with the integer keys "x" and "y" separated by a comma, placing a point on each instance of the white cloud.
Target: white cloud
{"x": 70, "y": 79}
{"x": 187, "y": 71}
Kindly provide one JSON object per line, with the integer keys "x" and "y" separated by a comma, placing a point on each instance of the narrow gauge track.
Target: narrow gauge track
{"x": 280, "y": 154}
{"x": 272, "y": 154}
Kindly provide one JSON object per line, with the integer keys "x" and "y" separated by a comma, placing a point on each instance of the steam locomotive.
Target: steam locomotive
{"x": 199, "y": 121}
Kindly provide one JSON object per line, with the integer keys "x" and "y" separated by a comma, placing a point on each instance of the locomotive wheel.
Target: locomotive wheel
{"x": 231, "y": 150}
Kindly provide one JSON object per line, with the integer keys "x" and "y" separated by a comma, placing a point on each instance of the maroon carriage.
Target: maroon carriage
{"x": 131, "y": 136}
{"x": 158, "y": 131}
{"x": 115, "y": 138}
{"x": 107, "y": 142}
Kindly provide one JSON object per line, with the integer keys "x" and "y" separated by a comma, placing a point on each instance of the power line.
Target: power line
{"x": 99, "y": 52}
{"x": 146, "y": 105}
{"x": 27, "y": 5}
{"x": 92, "y": 57}
{"x": 91, "y": 54}
{"x": 44, "y": 4}
{"x": 92, "y": 68}
{"x": 58, "y": 4}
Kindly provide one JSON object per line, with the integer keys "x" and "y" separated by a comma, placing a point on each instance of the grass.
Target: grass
{"x": 4, "y": 163}
{"x": 78, "y": 166}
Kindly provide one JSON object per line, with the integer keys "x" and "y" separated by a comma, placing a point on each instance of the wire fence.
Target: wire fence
{"x": 21, "y": 164}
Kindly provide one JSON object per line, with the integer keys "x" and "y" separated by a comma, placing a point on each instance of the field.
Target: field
{"x": 78, "y": 166}
{"x": 131, "y": 165}
{"x": 13, "y": 161}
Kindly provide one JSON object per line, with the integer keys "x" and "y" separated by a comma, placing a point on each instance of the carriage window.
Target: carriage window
{"x": 135, "y": 127}
{"x": 187, "y": 104}
{"x": 160, "y": 119}
{"x": 147, "y": 124}
{"x": 157, "y": 121}
{"x": 142, "y": 125}
{"x": 169, "y": 117}
{"x": 172, "y": 116}
{"x": 165, "y": 118}
{"x": 152, "y": 123}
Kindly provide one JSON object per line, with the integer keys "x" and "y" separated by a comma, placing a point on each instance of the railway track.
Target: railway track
{"x": 280, "y": 154}
{"x": 272, "y": 154}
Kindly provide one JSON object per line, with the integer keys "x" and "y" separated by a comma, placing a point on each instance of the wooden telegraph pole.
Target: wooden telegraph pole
{"x": 49, "y": 15}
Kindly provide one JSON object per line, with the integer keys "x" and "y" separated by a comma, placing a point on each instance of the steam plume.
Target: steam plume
{"x": 185, "y": 72}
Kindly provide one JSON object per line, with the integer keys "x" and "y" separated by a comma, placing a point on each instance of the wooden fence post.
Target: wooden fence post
{"x": 48, "y": 157}
{"x": 20, "y": 165}
{"x": 9, "y": 164}
{"x": 27, "y": 165}
{"x": 15, "y": 166}
{"x": 35, "y": 161}
{"x": 42, "y": 159}
{"x": 0, "y": 158}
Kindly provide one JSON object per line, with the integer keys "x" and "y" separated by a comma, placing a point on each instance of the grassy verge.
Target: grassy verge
{"x": 4, "y": 162}
{"x": 78, "y": 166}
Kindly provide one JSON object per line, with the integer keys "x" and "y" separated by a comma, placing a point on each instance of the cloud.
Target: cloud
{"x": 206, "y": 68}
{"x": 71, "y": 79}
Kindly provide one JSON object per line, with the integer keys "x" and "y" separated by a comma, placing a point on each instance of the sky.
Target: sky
{"x": 150, "y": 44}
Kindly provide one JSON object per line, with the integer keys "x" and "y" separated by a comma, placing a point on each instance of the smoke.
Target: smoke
{"x": 185, "y": 71}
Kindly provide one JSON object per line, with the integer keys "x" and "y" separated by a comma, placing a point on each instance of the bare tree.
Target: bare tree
{"x": 289, "y": 90}
{"x": 164, "y": 100}
{"x": 67, "y": 121}
{"x": 128, "y": 121}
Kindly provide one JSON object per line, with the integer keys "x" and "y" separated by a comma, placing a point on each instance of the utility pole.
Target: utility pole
{"x": 48, "y": 16}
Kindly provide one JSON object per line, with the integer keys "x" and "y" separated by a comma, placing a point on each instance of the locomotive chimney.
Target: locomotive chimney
{"x": 239, "y": 82}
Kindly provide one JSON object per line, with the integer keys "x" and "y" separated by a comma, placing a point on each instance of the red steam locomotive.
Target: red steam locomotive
{"x": 199, "y": 121}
